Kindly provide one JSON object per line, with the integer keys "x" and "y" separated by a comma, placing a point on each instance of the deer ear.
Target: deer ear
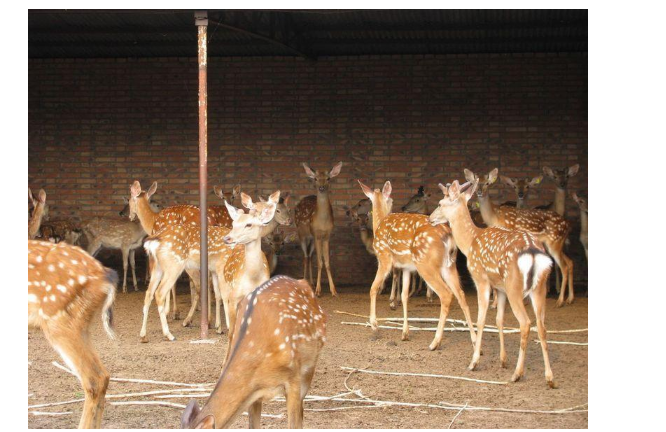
{"x": 42, "y": 196}
{"x": 135, "y": 189}
{"x": 189, "y": 415}
{"x": 469, "y": 175}
{"x": 285, "y": 198}
{"x": 549, "y": 172}
{"x": 387, "y": 189}
{"x": 573, "y": 170}
{"x": 443, "y": 189}
{"x": 507, "y": 180}
{"x": 234, "y": 213}
{"x": 262, "y": 199}
{"x": 275, "y": 197}
{"x": 454, "y": 190}
{"x": 492, "y": 176}
{"x": 366, "y": 190}
{"x": 207, "y": 423}
{"x": 152, "y": 190}
{"x": 218, "y": 191}
{"x": 536, "y": 180}
{"x": 336, "y": 170}
{"x": 237, "y": 190}
{"x": 267, "y": 213}
{"x": 468, "y": 191}
{"x": 309, "y": 171}
{"x": 247, "y": 201}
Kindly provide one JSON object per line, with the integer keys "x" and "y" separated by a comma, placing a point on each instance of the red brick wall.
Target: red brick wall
{"x": 96, "y": 125}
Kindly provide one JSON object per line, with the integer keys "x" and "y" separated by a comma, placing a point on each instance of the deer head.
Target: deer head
{"x": 381, "y": 200}
{"x": 39, "y": 200}
{"x": 136, "y": 194}
{"x": 456, "y": 196}
{"x": 247, "y": 227}
{"x": 561, "y": 176}
{"x": 521, "y": 186}
{"x": 322, "y": 178}
{"x": 582, "y": 202}
{"x": 417, "y": 203}
{"x": 484, "y": 182}
{"x": 282, "y": 211}
{"x": 229, "y": 197}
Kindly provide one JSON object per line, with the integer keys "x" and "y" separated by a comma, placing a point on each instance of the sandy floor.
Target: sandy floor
{"x": 347, "y": 346}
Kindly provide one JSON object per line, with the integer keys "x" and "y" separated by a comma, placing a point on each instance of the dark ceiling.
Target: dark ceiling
{"x": 305, "y": 33}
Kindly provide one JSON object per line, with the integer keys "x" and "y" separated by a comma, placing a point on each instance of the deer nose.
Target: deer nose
{"x": 322, "y": 188}
{"x": 227, "y": 239}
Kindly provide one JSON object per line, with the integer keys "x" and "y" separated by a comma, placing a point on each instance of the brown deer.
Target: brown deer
{"x": 582, "y": 205}
{"x": 407, "y": 241}
{"x": 418, "y": 203}
{"x": 281, "y": 330}
{"x": 522, "y": 188}
{"x": 247, "y": 267}
{"x": 112, "y": 233}
{"x": 513, "y": 262}
{"x": 66, "y": 288}
{"x": 561, "y": 178}
{"x": 549, "y": 227}
{"x": 57, "y": 230}
{"x": 39, "y": 212}
{"x": 314, "y": 221}
{"x": 276, "y": 242}
{"x": 219, "y": 213}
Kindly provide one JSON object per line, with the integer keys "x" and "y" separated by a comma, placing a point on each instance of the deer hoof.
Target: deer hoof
{"x": 170, "y": 338}
{"x": 186, "y": 323}
{"x": 570, "y": 300}
{"x": 472, "y": 366}
{"x": 433, "y": 346}
{"x": 176, "y": 316}
{"x": 143, "y": 339}
{"x": 559, "y": 303}
{"x": 516, "y": 377}
{"x": 405, "y": 337}
{"x": 392, "y": 306}
{"x": 551, "y": 383}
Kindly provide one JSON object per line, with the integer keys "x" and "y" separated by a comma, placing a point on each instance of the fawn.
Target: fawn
{"x": 276, "y": 242}
{"x": 522, "y": 188}
{"x": 66, "y": 287}
{"x": 408, "y": 242}
{"x": 511, "y": 261}
{"x": 281, "y": 329}
{"x": 40, "y": 211}
{"x": 582, "y": 205}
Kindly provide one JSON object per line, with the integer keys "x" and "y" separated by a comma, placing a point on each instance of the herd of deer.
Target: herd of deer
{"x": 276, "y": 326}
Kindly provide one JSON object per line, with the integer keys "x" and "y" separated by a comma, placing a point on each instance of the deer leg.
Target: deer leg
{"x": 395, "y": 286}
{"x": 254, "y": 413}
{"x": 210, "y": 297}
{"x": 494, "y": 294}
{"x": 149, "y": 269}
{"x": 155, "y": 277}
{"x": 452, "y": 280}
{"x": 500, "y": 296}
{"x": 218, "y": 298}
{"x": 515, "y": 295}
{"x": 304, "y": 248}
{"x": 434, "y": 280}
{"x": 483, "y": 292}
{"x": 429, "y": 293}
{"x": 383, "y": 268}
{"x": 538, "y": 298}
{"x": 570, "y": 266}
{"x": 413, "y": 284}
{"x": 133, "y": 265}
{"x": 331, "y": 285}
{"x": 77, "y": 352}
{"x": 175, "y": 315}
{"x": 320, "y": 264}
{"x": 406, "y": 277}
{"x": 563, "y": 263}
{"x": 294, "y": 404}
{"x": 125, "y": 253}
{"x": 195, "y": 299}
{"x": 161, "y": 294}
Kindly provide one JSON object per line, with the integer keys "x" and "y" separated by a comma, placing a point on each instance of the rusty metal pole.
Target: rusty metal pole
{"x": 201, "y": 21}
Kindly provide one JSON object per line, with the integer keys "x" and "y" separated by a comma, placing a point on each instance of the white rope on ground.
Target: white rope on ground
{"x": 564, "y": 343}
{"x": 54, "y": 414}
{"x": 427, "y": 375}
{"x": 456, "y": 416}
{"x": 486, "y": 329}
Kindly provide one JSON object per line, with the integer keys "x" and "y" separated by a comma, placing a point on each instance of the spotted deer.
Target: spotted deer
{"x": 112, "y": 233}
{"x": 522, "y": 188}
{"x": 512, "y": 261}
{"x": 582, "y": 205}
{"x": 66, "y": 288}
{"x": 418, "y": 203}
{"x": 276, "y": 242}
{"x": 63, "y": 229}
{"x": 281, "y": 331}
{"x": 247, "y": 267}
{"x": 408, "y": 242}
{"x": 550, "y": 228}
{"x": 314, "y": 221}
{"x": 39, "y": 212}
{"x": 561, "y": 178}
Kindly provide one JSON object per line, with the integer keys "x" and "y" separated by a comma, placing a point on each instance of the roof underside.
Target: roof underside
{"x": 305, "y": 33}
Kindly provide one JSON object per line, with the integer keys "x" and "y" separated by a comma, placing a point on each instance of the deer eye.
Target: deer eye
{"x": 248, "y": 225}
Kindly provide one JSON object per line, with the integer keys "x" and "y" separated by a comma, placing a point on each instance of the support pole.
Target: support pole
{"x": 201, "y": 21}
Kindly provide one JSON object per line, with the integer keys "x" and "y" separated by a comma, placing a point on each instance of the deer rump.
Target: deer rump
{"x": 410, "y": 239}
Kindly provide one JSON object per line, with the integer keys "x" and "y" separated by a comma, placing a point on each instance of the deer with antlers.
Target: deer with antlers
{"x": 549, "y": 227}
{"x": 582, "y": 205}
{"x": 408, "y": 242}
{"x": 66, "y": 288}
{"x": 281, "y": 330}
{"x": 40, "y": 211}
{"x": 314, "y": 221}
{"x": 522, "y": 188}
{"x": 513, "y": 262}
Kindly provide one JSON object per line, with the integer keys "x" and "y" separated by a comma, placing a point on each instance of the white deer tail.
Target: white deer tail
{"x": 533, "y": 265}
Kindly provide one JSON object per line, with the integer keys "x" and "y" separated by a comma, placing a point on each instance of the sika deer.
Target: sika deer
{"x": 66, "y": 287}
{"x": 39, "y": 212}
{"x": 408, "y": 242}
{"x": 521, "y": 187}
{"x": 561, "y": 179}
{"x": 416, "y": 204}
{"x": 511, "y": 261}
{"x": 281, "y": 330}
{"x": 314, "y": 220}
{"x": 276, "y": 242}
{"x": 549, "y": 227}
{"x": 113, "y": 233}
{"x": 582, "y": 205}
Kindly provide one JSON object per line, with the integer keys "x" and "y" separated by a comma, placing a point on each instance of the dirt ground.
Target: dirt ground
{"x": 350, "y": 346}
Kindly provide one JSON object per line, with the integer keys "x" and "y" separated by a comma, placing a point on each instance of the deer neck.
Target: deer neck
{"x": 520, "y": 203}
{"x": 583, "y": 222}
{"x": 146, "y": 215}
{"x": 487, "y": 210}
{"x": 254, "y": 258}
{"x": 323, "y": 211}
{"x": 463, "y": 229}
{"x": 560, "y": 198}
{"x": 269, "y": 228}
{"x": 379, "y": 212}
{"x": 366, "y": 238}
{"x": 35, "y": 220}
